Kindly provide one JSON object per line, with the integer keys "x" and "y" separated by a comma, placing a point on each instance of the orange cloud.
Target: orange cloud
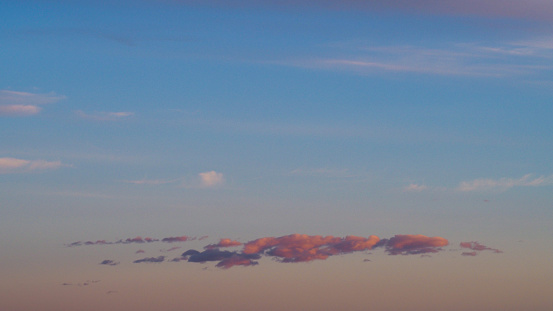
{"x": 302, "y": 247}
{"x": 224, "y": 243}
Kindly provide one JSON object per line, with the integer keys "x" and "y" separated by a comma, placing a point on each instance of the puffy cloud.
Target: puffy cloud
{"x": 503, "y": 184}
{"x": 151, "y": 259}
{"x": 13, "y": 165}
{"x": 224, "y": 243}
{"x": 302, "y": 247}
{"x": 104, "y": 116}
{"x": 210, "y": 255}
{"x": 413, "y": 244}
{"x": 211, "y": 179}
{"x": 109, "y": 262}
{"x": 476, "y": 247}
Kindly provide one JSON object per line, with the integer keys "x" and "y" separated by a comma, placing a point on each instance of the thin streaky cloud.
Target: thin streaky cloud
{"x": 104, "y": 116}
{"x": 20, "y": 104}
{"x": 8, "y": 97}
{"x": 14, "y": 165}
{"x": 503, "y": 184}
{"x": 19, "y": 110}
{"x": 145, "y": 181}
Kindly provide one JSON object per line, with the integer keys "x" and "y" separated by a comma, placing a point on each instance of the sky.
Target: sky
{"x": 276, "y": 155}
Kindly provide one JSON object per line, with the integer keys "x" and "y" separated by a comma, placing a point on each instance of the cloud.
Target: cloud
{"x": 211, "y": 179}
{"x": 296, "y": 248}
{"x": 413, "y": 244}
{"x": 235, "y": 260}
{"x": 415, "y": 188}
{"x": 109, "y": 262}
{"x": 19, "y": 110}
{"x": 138, "y": 239}
{"x": 224, "y": 243}
{"x": 171, "y": 249}
{"x": 14, "y": 103}
{"x": 151, "y": 259}
{"x": 504, "y": 184}
{"x": 145, "y": 181}
{"x": 177, "y": 239}
{"x": 468, "y": 253}
{"x": 477, "y": 247}
{"x": 13, "y": 165}
{"x": 104, "y": 116}
{"x": 302, "y": 247}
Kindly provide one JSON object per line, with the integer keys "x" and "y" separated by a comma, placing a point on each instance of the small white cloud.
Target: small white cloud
{"x": 211, "y": 179}
{"x": 502, "y": 184}
{"x": 104, "y": 116}
{"x": 415, "y": 188}
{"x": 13, "y": 165}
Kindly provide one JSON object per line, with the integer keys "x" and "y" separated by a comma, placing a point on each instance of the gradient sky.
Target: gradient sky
{"x": 316, "y": 155}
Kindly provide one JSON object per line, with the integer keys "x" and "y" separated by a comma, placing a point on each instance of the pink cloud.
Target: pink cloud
{"x": 475, "y": 246}
{"x": 13, "y": 165}
{"x": 19, "y": 110}
{"x": 235, "y": 260}
{"x": 224, "y": 243}
{"x": 414, "y": 244}
{"x": 302, "y": 247}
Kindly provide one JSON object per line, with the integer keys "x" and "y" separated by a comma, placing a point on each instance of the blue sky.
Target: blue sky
{"x": 271, "y": 118}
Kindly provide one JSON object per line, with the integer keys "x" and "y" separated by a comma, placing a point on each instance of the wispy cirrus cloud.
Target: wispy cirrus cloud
{"x": 135, "y": 240}
{"x": 455, "y": 59}
{"x": 145, "y": 181}
{"x": 18, "y": 104}
{"x": 487, "y": 184}
{"x": 14, "y": 165}
{"x": 503, "y": 184}
{"x": 104, "y": 115}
